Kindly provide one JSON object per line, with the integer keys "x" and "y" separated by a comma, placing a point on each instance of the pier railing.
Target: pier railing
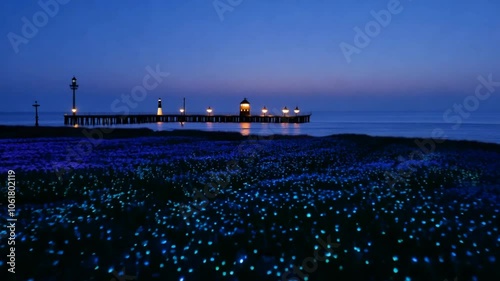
{"x": 116, "y": 119}
{"x": 178, "y": 113}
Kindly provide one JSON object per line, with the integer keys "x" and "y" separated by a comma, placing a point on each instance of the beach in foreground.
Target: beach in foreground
{"x": 191, "y": 205}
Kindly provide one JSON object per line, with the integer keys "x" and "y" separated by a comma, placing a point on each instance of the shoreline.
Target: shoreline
{"x": 21, "y": 132}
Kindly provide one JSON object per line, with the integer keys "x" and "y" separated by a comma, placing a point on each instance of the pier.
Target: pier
{"x": 108, "y": 119}
{"x": 96, "y": 119}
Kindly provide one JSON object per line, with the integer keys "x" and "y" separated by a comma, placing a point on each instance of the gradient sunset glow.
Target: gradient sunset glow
{"x": 267, "y": 51}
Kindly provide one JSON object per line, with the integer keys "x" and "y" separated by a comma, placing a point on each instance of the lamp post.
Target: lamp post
{"x": 36, "y": 105}
{"x": 209, "y": 110}
{"x": 296, "y": 110}
{"x": 285, "y": 111}
{"x": 264, "y": 110}
{"x": 73, "y": 86}
{"x": 183, "y": 109}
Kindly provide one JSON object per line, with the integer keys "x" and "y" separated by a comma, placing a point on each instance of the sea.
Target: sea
{"x": 476, "y": 126}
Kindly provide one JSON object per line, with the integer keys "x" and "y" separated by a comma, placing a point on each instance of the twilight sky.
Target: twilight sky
{"x": 274, "y": 52}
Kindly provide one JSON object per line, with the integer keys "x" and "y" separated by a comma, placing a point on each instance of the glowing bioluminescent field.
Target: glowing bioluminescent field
{"x": 141, "y": 207}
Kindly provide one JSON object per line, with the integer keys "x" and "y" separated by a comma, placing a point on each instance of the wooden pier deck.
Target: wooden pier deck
{"x": 108, "y": 119}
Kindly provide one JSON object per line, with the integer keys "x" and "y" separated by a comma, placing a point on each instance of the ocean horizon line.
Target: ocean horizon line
{"x": 313, "y": 111}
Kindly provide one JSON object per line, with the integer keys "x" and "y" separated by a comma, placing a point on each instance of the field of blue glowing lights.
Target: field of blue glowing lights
{"x": 186, "y": 208}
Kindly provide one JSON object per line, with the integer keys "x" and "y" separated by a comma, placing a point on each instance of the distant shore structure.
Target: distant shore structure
{"x": 36, "y": 105}
{"x": 210, "y": 116}
{"x": 245, "y": 108}
{"x": 159, "y": 111}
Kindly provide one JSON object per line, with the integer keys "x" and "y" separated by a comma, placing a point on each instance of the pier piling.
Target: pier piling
{"x": 99, "y": 119}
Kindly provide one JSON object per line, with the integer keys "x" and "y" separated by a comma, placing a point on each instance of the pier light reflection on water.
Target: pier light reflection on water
{"x": 290, "y": 128}
{"x": 485, "y": 126}
{"x": 296, "y": 129}
{"x": 245, "y": 128}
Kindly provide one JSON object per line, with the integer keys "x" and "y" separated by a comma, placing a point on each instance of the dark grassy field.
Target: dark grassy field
{"x": 190, "y": 205}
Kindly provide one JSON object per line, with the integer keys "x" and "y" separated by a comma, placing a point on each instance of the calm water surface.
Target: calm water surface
{"x": 479, "y": 126}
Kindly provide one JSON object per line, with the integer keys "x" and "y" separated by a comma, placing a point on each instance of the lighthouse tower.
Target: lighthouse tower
{"x": 245, "y": 108}
{"x": 160, "y": 112}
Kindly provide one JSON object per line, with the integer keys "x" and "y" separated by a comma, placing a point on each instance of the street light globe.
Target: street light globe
{"x": 209, "y": 109}
{"x": 73, "y": 110}
{"x": 296, "y": 110}
{"x": 264, "y": 110}
{"x": 285, "y": 110}
{"x": 181, "y": 110}
{"x": 73, "y": 80}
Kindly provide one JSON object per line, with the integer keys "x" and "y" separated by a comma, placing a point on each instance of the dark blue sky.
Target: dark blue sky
{"x": 274, "y": 52}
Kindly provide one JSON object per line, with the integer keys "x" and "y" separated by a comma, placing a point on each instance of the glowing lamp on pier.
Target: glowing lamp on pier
{"x": 264, "y": 110}
{"x": 73, "y": 110}
{"x": 209, "y": 110}
{"x": 296, "y": 110}
{"x": 285, "y": 111}
{"x": 181, "y": 110}
{"x": 160, "y": 110}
